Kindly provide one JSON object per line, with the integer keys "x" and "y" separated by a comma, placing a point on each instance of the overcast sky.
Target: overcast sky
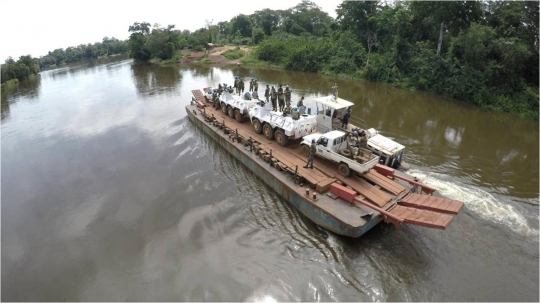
{"x": 38, "y": 26}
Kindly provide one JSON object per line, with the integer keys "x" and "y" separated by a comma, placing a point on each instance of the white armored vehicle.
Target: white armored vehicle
{"x": 236, "y": 107}
{"x": 275, "y": 125}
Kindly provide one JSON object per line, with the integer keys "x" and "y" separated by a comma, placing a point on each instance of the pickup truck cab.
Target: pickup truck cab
{"x": 334, "y": 146}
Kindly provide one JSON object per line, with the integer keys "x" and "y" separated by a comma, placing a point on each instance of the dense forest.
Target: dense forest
{"x": 484, "y": 52}
{"x": 26, "y": 65}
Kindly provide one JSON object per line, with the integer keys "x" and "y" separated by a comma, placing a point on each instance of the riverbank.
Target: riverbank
{"x": 10, "y": 84}
{"x": 499, "y": 102}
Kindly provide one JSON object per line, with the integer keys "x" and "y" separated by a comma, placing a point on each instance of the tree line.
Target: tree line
{"x": 26, "y": 65}
{"x": 483, "y": 52}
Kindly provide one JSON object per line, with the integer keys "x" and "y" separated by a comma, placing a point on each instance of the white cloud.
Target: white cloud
{"x": 36, "y": 27}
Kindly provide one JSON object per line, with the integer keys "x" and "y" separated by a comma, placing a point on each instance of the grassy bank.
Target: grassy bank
{"x": 234, "y": 54}
{"x": 9, "y": 84}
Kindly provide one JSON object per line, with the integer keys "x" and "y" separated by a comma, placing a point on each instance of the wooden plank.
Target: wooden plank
{"x": 393, "y": 187}
{"x": 324, "y": 185}
{"x": 422, "y": 217}
{"x": 437, "y": 204}
{"x": 374, "y": 189}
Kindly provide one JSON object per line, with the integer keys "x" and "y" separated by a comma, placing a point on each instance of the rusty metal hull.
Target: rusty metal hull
{"x": 283, "y": 185}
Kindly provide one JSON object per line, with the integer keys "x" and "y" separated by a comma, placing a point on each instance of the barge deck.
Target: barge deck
{"x": 348, "y": 206}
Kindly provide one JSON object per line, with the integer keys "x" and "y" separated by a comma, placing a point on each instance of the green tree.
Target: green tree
{"x": 242, "y": 24}
{"x": 138, "y": 41}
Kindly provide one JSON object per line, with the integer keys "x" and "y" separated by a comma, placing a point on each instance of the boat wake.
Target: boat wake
{"x": 479, "y": 201}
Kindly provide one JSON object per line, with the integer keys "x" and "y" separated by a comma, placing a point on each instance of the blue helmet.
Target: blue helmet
{"x": 313, "y": 140}
{"x": 236, "y": 77}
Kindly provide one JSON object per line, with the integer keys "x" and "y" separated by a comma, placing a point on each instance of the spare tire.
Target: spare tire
{"x": 345, "y": 153}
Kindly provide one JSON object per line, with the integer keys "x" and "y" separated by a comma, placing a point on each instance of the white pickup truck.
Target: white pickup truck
{"x": 334, "y": 146}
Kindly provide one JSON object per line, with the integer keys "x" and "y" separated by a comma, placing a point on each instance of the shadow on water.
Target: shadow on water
{"x": 27, "y": 89}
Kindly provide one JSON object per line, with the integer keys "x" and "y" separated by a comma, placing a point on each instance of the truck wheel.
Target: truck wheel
{"x": 344, "y": 169}
{"x": 305, "y": 150}
{"x": 230, "y": 111}
{"x": 238, "y": 116}
{"x": 268, "y": 131}
{"x": 223, "y": 108}
{"x": 281, "y": 139}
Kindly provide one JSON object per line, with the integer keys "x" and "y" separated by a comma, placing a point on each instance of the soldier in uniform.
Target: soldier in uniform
{"x": 363, "y": 139}
{"x": 287, "y": 110}
{"x": 287, "y": 94}
{"x": 256, "y": 85}
{"x": 267, "y": 92}
{"x": 250, "y": 85}
{"x": 215, "y": 99}
{"x": 236, "y": 83}
{"x": 346, "y": 117}
{"x": 281, "y": 98}
{"x": 312, "y": 151}
{"x": 273, "y": 96}
{"x": 300, "y": 102}
{"x": 240, "y": 86}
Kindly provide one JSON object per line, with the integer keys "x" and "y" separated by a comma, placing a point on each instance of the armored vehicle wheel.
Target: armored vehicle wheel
{"x": 257, "y": 126}
{"x": 238, "y": 116}
{"x": 268, "y": 131}
{"x": 224, "y": 108}
{"x": 344, "y": 169}
{"x": 230, "y": 111}
{"x": 305, "y": 150}
{"x": 281, "y": 139}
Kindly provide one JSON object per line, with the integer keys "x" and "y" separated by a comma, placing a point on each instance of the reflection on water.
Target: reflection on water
{"x": 28, "y": 89}
{"x": 109, "y": 193}
{"x": 148, "y": 81}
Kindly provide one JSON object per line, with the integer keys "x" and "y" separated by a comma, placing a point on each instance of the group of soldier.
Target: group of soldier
{"x": 239, "y": 85}
{"x": 281, "y": 101}
{"x": 280, "y": 97}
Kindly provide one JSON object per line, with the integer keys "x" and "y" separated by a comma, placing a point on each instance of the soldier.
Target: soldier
{"x": 273, "y": 96}
{"x": 300, "y": 102}
{"x": 281, "y": 98}
{"x": 335, "y": 91}
{"x": 287, "y": 110}
{"x": 240, "y": 86}
{"x": 220, "y": 88}
{"x": 216, "y": 100}
{"x": 251, "y": 85}
{"x": 346, "y": 117}
{"x": 256, "y": 85}
{"x": 363, "y": 139}
{"x": 267, "y": 92}
{"x": 236, "y": 83}
{"x": 312, "y": 151}
{"x": 287, "y": 94}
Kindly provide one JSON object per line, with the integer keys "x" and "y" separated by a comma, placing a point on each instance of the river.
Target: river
{"x": 110, "y": 193}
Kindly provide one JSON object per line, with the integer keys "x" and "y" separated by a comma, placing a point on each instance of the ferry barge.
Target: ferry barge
{"x": 348, "y": 206}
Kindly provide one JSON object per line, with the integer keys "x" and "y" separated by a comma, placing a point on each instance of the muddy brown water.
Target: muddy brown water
{"x": 109, "y": 193}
